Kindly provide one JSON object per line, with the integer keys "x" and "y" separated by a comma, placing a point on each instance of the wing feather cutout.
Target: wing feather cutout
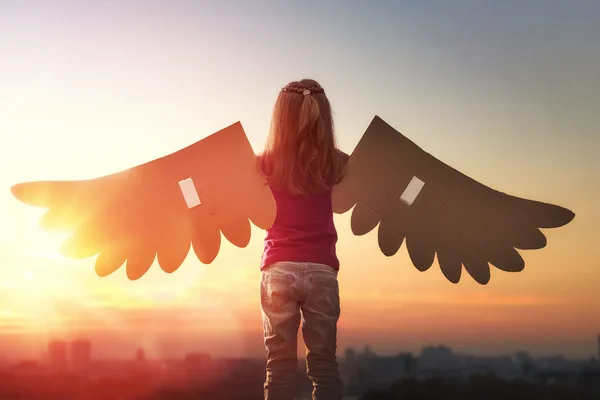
{"x": 461, "y": 220}
{"x": 138, "y": 215}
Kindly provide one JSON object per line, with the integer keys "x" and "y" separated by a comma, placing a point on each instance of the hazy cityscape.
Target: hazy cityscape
{"x": 68, "y": 370}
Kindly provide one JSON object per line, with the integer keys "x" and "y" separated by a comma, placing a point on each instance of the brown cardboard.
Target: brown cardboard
{"x": 453, "y": 216}
{"x": 138, "y": 214}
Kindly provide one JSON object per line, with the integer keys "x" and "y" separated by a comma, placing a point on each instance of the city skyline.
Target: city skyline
{"x": 76, "y": 352}
{"x": 201, "y": 376}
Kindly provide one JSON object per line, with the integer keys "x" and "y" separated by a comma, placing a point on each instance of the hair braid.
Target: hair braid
{"x": 300, "y": 156}
{"x": 297, "y": 87}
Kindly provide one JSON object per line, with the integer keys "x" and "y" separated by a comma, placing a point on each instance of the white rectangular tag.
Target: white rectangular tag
{"x": 412, "y": 190}
{"x": 189, "y": 193}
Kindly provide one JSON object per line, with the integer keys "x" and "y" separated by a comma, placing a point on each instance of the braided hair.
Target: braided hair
{"x": 301, "y": 157}
{"x": 297, "y": 87}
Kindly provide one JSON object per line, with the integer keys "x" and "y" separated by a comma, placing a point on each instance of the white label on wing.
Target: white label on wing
{"x": 412, "y": 190}
{"x": 189, "y": 193}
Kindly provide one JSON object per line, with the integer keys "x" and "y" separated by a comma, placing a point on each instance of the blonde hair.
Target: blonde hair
{"x": 301, "y": 155}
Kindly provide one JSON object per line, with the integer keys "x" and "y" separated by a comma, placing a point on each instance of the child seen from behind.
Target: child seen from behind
{"x": 299, "y": 266}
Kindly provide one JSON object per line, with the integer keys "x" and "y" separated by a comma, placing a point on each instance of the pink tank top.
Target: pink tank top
{"x": 303, "y": 231}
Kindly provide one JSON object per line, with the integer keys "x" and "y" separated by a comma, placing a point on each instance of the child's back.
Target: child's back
{"x": 299, "y": 264}
{"x": 303, "y": 230}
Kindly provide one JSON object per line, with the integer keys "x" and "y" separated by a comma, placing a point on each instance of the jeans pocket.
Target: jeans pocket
{"x": 325, "y": 294}
{"x": 274, "y": 291}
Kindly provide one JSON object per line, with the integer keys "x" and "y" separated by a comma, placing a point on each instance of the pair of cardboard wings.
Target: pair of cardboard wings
{"x": 155, "y": 210}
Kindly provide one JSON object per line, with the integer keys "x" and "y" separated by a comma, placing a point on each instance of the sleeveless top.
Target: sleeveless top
{"x": 303, "y": 231}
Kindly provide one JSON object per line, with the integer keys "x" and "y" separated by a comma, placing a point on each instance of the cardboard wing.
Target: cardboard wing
{"x": 392, "y": 182}
{"x": 157, "y": 209}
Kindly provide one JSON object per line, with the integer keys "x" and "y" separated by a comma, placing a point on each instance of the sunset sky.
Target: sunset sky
{"x": 507, "y": 92}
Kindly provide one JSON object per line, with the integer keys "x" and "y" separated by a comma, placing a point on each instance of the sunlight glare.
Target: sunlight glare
{"x": 47, "y": 245}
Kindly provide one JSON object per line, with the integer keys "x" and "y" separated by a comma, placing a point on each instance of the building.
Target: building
{"x": 359, "y": 371}
{"x": 57, "y": 355}
{"x": 140, "y": 356}
{"x": 80, "y": 354}
{"x": 200, "y": 369}
{"x": 439, "y": 358}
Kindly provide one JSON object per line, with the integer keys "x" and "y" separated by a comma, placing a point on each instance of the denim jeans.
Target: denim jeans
{"x": 294, "y": 292}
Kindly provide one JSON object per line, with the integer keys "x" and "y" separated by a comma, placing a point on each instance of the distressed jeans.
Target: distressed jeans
{"x": 294, "y": 292}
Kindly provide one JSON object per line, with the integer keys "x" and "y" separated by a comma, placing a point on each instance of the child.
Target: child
{"x": 299, "y": 265}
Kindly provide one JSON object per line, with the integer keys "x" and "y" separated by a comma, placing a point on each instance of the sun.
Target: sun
{"x": 47, "y": 246}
